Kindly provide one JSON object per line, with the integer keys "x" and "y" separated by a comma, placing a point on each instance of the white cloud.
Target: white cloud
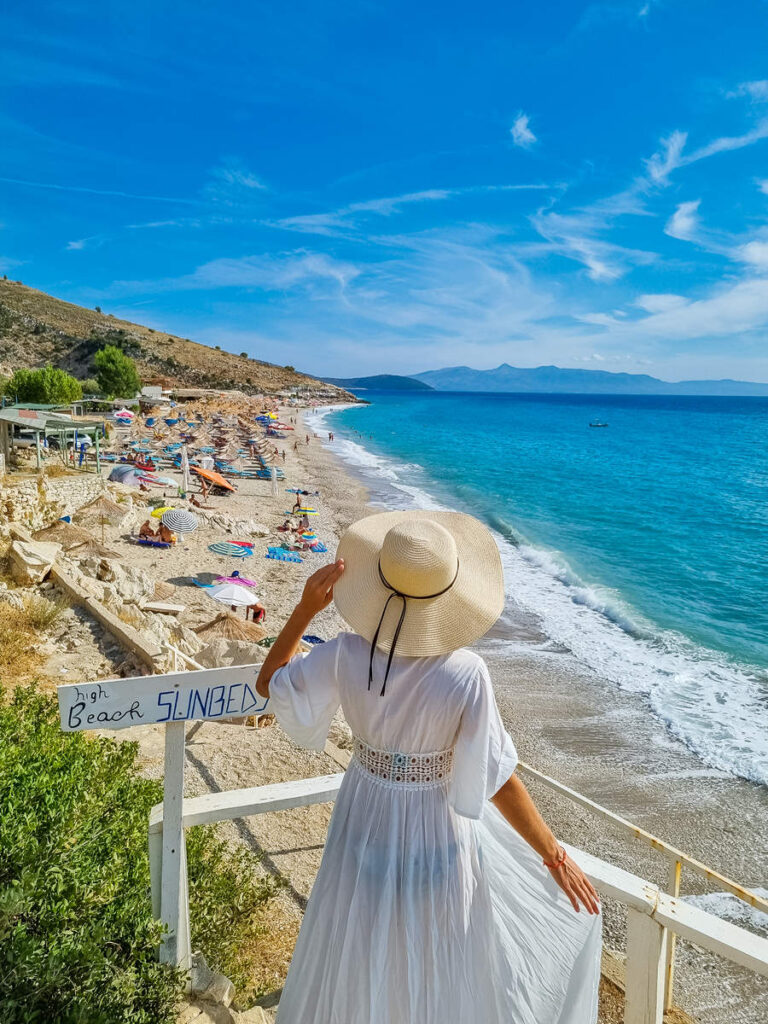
{"x": 684, "y": 222}
{"x": 574, "y": 236}
{"x": 757, "y": 91}
{"x": 236, "y": 173}
{"x": 79, "y": 243}
{"x": 521, "y": 133}
{"x": 96, "y": 191}
{"x": 300, "y": 270}
{"x": 344, "y": 219}
{"x": 598, "y": 319}
{"x": 763, "y": 186}
{"x": 661, "y": 164}
{"x": 670, "y": 157}
{"x": 728, "y": 143}
{"x": 660, "y": 303}
{"x": 754, "y": 253}
{"x": 232, "y": 183}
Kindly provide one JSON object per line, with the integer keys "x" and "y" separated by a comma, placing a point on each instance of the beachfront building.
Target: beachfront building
{"x": 23, "y": 427}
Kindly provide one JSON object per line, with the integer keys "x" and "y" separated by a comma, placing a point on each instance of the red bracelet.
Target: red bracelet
{"x": 559, "y": 860}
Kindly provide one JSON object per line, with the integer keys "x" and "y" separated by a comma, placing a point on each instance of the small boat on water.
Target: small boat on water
{"x": 597, "y": 423}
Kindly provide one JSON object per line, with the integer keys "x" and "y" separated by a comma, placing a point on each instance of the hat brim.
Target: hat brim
{"x": 439, "y": 625}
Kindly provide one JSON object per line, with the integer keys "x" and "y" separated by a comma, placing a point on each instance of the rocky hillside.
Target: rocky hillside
{"x": 36, "y": 329}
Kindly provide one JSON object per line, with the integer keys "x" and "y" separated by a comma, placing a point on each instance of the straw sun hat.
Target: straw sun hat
{"x": 419, "y": 583}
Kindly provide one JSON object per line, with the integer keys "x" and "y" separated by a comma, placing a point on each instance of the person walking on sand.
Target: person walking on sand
{"x": 442, "y": 896}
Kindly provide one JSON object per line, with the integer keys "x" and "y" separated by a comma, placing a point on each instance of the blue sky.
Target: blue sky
{"x": 392, "y": 187}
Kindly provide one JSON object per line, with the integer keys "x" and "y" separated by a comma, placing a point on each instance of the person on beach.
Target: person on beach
{"x": 442, "y": 896}
{"x": 257, "y": 611}
{"x": 146, "y": 531}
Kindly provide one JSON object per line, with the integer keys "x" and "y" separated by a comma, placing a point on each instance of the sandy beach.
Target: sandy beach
{"x": 565, "y": 722}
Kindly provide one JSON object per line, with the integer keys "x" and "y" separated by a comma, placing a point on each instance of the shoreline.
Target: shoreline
{"x": 608, "y": 744}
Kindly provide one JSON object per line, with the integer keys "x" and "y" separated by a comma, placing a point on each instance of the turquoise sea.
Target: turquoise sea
{"x": 641, "y": 547}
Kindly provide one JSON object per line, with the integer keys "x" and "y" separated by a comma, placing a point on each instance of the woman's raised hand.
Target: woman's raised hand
{"x": 318, "y": 590}
{"x": 576, "y": 886}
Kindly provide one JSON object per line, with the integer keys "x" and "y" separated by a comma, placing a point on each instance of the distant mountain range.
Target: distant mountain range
{"x": 380, "y": 382}
{"x": 554, "y": 380}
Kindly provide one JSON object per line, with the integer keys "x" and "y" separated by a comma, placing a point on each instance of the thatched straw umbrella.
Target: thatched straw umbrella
{"x": 230, "y": 627}
{"x": 102, "y": 508}
{"x": 92, "y": 547}
{"x": 66, "y": 534}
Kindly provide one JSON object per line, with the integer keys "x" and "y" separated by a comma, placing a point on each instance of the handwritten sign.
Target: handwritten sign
{"x": 208, "y": 695}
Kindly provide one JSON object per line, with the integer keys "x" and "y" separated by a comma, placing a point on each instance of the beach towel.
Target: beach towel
{"x": 146, "y": 543}
{"x": 279, "y": 555}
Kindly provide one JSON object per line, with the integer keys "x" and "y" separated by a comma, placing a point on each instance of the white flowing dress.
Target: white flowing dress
{"x": 428, "y": 908}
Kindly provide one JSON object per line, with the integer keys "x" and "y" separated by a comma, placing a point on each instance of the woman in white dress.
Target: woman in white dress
{"x": 428, "y": 908}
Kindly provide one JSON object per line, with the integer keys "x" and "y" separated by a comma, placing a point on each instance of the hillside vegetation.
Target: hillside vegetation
{"x": 36, "y": 328}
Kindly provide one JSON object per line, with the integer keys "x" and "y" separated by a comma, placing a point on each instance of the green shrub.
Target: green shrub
{"x": 116, "y": 372}
{"x": 90, "y": 386}
{"x": 77, "y": 938}
{"x": 48, "y": 386}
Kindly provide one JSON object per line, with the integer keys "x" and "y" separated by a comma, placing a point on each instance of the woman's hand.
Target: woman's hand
{"x": 318, "y": 590}
{"x": 514, "y": 801}
{"x": 576, "y": 886}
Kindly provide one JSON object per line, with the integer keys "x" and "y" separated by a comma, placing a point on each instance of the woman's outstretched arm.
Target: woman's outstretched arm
{"x": 318, "y": 594}
{"x": 515, "y": 803}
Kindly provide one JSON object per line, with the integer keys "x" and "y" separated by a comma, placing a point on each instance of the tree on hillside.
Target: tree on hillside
{"x": 90, "y": 387}
{"x": 116, "y": 373}
{"x": 48, "y": 386}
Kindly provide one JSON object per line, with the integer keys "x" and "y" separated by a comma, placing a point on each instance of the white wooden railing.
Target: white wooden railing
{"x": 676, "y": 861}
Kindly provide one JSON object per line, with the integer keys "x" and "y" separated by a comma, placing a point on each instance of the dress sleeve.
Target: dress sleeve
{"x": 304, "y": 694}
{"x": 484, "y": 754}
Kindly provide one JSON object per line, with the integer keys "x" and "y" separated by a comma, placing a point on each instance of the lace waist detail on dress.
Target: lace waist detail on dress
{"x": 411, "y": 770}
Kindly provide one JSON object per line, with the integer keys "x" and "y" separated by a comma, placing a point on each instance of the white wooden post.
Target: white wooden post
{"x": 174, "y": 912}
{"x": 646, "y": 969}
{"x": 673, "y": 888}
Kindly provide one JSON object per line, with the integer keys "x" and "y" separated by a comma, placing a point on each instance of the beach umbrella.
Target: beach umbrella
{"x": 102, "y": 508}
{"x": 63, "y": 533}
{"x": 161, "y": 481}
{"x": 126, "y": 474}
{"x": 273, "y": 486}
{"x": 230, "y": 627}
{"x": 226, "y": 547}
{"x": 179, "y": 520}
{"x": 92, "y": 547}
{"x": 124, "y": 414}
{"x": 184, "y": 469}
{"x": 232, "y": 594}
{"x": 213, "y": 477}
{"x": 158, "y": 513}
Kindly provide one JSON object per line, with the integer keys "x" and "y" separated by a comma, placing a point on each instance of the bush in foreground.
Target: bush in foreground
{"x": 77, "y": 938}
